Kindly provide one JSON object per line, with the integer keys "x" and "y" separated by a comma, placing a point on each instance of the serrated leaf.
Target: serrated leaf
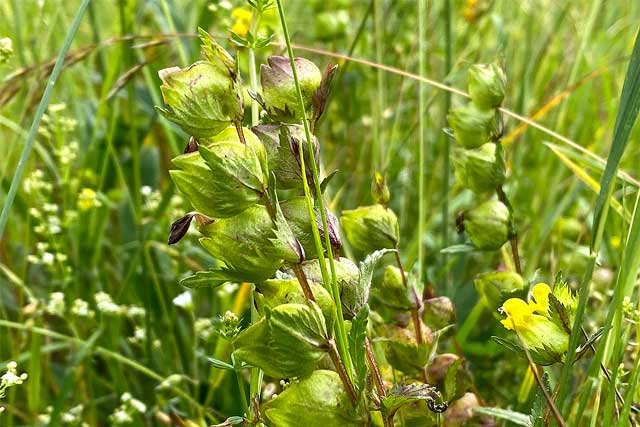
{"x": 401, "y": 395}
{"x": 285, "y": 242}
{"x": 457, "y": 381}
{"x": 288, "y": 342}
{"x": 357, "y": 336}
{"x": 505, "y": 414}
{"x": 316, "y": 401}
{"x": 558, "y": 314}
{"x": 367, "y": 267}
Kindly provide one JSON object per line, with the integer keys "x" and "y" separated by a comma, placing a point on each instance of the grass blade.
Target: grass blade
{"x": 42, "y": 107}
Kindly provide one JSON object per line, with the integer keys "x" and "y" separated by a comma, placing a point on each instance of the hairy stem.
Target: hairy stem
{"x": 373, "y": 364}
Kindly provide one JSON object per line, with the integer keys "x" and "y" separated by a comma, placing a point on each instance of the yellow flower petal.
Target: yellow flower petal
{"x": 540, "y": 302}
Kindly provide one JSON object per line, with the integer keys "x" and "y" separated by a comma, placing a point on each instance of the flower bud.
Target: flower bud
{"x": 370, "y": 228}
{"x": 279, "y": 89}
{"x": 204, "y": 98}
{"x": 439, "y": 312}
{"x": 225, "y": 176}
{"x": 495, "y": 287}
{"x": 243, "y": 243}
{"x": 438, "y": 367}
{"x": 282, "y": 144}
{"x": 297, "y": 215}
{"x": 392, "y": 292}
{"x": 473, "y": 126}
{"x": 487, "y": 85}
{"x": 379, "y": 189}
{"x": 480, "y": 169}
{"x": 460, "y": 412}
{"x": 403, "y": 352}
{"x": 487, "y": 225}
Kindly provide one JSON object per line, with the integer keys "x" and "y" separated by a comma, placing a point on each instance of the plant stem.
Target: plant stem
{"x": 377, "y": 378}
{"x": 447, "y": 147}
{"x": 330, "y": 283}
{"x": 513, "y": 239}
{"x": 304, "y": 283}
{"x": 536, "y": 374}
{"x": 421, "y": 141}
{"x": 416, "y": 311}
{"x": 337, "y": 361}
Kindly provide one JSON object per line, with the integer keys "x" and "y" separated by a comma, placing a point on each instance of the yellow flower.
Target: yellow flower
{"x": 88, "y": 199}
{"x": 241, "y": 21}
{"x": 546, "y": 340}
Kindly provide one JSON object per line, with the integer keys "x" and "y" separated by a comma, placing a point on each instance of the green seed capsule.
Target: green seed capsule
{"x": 473, "y": 126}
{"x": 495, "y": 287}
{"x": 488, "y": 225}
{"x": 487, "y": 85}
{"x": 370, "y": 228}
{"x": 204, "y": 98}
{"x": 279, "y": 90}
{"x": 480, "y": 169}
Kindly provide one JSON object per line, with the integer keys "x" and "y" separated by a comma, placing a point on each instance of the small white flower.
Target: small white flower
{"x": 48, "y": 258}
{"x": 184, "y": 300}
{"x": 56, "y": 304}
{"x": 81, "y": 308}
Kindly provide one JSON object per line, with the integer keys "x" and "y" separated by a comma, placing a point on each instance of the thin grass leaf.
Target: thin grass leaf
{"x": 42, "y": 107}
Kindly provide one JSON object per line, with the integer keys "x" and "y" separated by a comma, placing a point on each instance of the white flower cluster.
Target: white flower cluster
{"x": 105, "y": 305}
{"x": 80, "y": 308}
{"x": 9, "y": 379}
{"x": 70, "y": 418}
{"x": 184, "y": 300}
{"x": 204, "y": 329}
{"x": 56, "y": 305}
{"x": 123, "y": 414}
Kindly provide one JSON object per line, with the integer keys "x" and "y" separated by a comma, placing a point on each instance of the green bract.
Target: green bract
{"x": 279, "y": 90}
{"x": 439, "y": 313}
{"x": 403, "y": 352}
{"x": 495, "y": 287}
{"x": 282, "y": 145}
{"x": 243, "y": 243}
{"x": 488, "y": 225}
{"x": 480, "y": 169}
{"x": 287, "y": 342}
{"x": 317, "y": 401}
{"x": 487, "y": 85}
{"x": 472, "y": 126}
{"x": 297, "y": 215}
{"x": 392, "y": 291}
{"x": 225, "y": 176}
{"x": 369, "y": 228}
{"x": 206, "y": 96}
{"x": 274, "y": 292}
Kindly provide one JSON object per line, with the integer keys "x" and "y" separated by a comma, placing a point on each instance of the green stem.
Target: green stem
{"x": 330, "y": 283}
{"x": 255, "y": 385}
{"x": 447, "y": 145}
{"x": 421, "y": 129}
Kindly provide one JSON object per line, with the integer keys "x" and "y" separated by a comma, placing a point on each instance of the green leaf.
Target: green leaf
{"x": 285, "y": 242}
{"x": 505, "y": 414}
{"x": 355, "y": 296}
{"x": 288, "y": 342}
{"x": 316, "y": 401}
{"x": 625, "y": 120}
{"x": 401, "y": 395}
{"x": 357, "y": 336}
{"x": 210, "y": 279}
{"x": 220, "y": 364}
{"x": 457, "y": 381}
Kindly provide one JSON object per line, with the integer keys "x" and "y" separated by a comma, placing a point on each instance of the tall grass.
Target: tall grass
{"x": 402, "y": 66}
